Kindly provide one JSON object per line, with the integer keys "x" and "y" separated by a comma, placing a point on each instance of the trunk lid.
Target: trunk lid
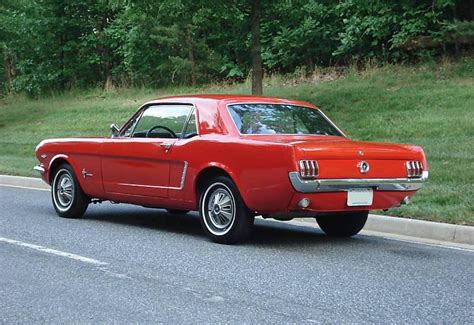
{"x": 339, "y": 157}
{"x": 347, "y": 149}
{"x": 343, "y": 159}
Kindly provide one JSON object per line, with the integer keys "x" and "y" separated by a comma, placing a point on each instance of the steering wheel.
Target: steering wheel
{"x": 161, "y": 127}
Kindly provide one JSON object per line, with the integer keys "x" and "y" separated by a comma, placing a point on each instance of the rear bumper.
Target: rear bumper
{"x": 338, "y": 185}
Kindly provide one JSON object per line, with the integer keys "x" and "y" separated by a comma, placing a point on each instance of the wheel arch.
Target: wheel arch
{"x": 57, "y": 161}
{"x": 207, "y": 173}
{"x": 211, "y": 171}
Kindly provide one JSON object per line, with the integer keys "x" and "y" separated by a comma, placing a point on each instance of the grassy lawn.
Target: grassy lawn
{"x": 429, "y": 105}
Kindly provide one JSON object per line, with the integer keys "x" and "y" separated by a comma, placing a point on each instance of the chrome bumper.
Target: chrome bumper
{"x": 40, "y": 169}
{"x": 338, "y": 185}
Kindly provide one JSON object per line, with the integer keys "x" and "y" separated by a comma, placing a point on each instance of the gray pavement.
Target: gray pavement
{"x": 155, "y": 267}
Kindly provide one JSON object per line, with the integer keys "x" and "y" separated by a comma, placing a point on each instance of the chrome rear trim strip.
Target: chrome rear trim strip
{"x": 183, "y": 176}
{"x": 338, "y": 185}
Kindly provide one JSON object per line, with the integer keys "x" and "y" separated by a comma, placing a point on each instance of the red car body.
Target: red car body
{"x": 161, "y": 172}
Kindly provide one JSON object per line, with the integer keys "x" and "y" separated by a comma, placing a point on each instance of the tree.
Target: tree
{"x": 256, "y": 51}
{"x": 56, "y": 45}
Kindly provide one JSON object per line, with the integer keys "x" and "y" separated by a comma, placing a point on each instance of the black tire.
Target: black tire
{"x": 230, "y": 221}
{"x": 176, "y": 211}
{"x": 344, "y": 224}
{"x": 69, "y": 200}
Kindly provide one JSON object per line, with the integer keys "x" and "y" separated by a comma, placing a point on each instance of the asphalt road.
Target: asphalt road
{"x": 133, "y": 264}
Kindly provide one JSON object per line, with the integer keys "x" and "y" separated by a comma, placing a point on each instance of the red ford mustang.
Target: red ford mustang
{"x": 232, "y": 158}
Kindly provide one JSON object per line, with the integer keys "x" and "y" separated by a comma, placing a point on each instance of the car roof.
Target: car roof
{"x": 228, "y": 99}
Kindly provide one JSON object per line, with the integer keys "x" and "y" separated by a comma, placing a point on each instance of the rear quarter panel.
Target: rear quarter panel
{"x": 260, "y": 170}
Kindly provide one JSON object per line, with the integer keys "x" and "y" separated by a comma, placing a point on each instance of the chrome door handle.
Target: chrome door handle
{"x": 166, "y": 146}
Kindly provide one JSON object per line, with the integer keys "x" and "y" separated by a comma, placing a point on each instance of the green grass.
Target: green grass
{"x": 429, "y": 105}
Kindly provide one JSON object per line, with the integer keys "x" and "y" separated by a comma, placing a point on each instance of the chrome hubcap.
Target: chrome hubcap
{"x": 218, "y": 209}
{"x": 64, "y": 190}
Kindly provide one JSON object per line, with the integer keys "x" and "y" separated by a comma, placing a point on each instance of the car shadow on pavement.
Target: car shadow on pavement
{"x": 264, "y": 232}
{"x": 270, "y": 233}
{"x": 152, "y": 219}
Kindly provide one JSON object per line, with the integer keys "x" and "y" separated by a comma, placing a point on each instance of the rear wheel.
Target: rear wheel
{"x": 344, "y": 224}
{"x": 68, "y": 199}
{"x": 224, "y": 216}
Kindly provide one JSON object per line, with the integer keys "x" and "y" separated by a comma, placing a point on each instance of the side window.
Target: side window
{"x": 128, "y": 131}
{"x": 191, "y": 129}
{"x": 162, "y": 121}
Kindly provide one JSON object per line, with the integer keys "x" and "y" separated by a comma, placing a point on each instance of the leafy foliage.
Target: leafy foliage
{"x": 54, "y": 45}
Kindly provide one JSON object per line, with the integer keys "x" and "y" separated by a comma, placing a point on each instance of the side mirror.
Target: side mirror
{"x": 115, "y": 129}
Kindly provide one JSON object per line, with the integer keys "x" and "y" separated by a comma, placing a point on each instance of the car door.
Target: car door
{"x": 138, "y": 162}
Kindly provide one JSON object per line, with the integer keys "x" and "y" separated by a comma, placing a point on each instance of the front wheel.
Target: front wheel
{"x": 343, "y": 224}
{"x": 224, "y": 216}
{"x": 68, "y": 199}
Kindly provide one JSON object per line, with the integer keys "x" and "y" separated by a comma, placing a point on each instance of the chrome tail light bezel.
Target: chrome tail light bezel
{"x": 308, "y": 169}
{"x": 414, "y": 168}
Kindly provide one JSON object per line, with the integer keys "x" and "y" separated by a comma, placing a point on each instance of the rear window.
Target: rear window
{"x": 280, "y": 119}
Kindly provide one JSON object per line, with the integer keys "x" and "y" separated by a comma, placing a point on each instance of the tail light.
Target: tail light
{"x": 309, "y": 169}
{"x": 414, "y": 168}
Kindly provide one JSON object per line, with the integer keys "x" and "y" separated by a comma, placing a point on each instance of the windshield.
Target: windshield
{"x": 280, "y": 119}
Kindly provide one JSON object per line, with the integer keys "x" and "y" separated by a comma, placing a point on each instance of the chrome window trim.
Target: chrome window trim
{"x": 293, "y": 134}
{"x": 331, "y": 122}
{"x": 181, "y": 185}
{"x": 141, "y": 109}
{"x": 186, "y": 124}
{"x": 344, "y": 184}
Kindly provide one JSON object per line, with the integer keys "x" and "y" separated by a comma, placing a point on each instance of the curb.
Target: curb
{"x": 434, "y": 231}
{"x": 422, "y": 229}
{"x": 437, "y": 231}
{"x": 21, "y": 181}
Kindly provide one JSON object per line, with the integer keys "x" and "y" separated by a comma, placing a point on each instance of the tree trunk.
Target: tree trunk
{"x": 61, "y": 62}
{"x": 109, "y": 82}
{"x": 257, "y": 70}
{"x": 189, "y": 45}
{"x": 8, "y": 68}
{"x": 456, "y": 43}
